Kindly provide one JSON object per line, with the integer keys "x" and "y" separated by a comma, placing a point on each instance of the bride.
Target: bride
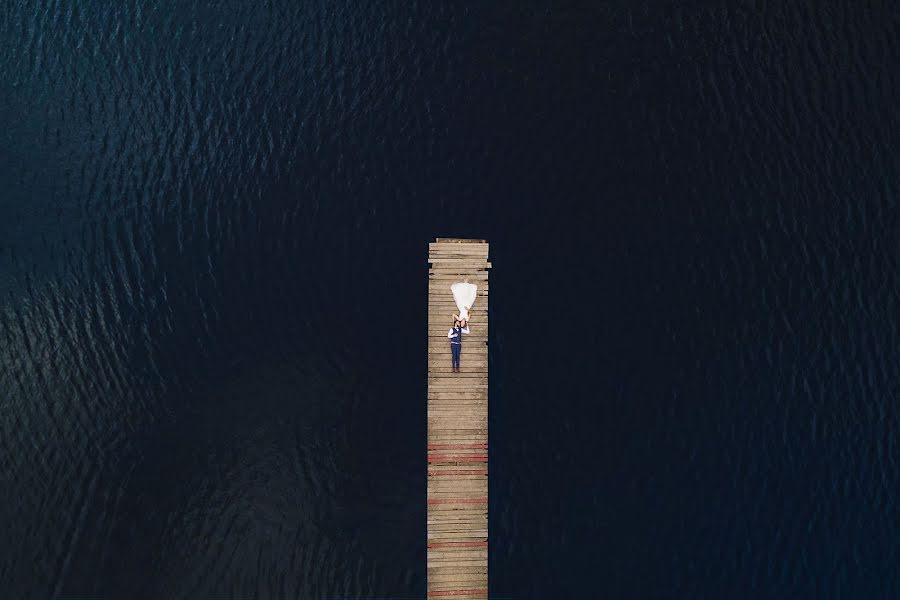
{"x": 464, "y": 295}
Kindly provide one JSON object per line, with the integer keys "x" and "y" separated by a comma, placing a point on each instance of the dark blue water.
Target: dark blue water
{"x": 213, "y": 229}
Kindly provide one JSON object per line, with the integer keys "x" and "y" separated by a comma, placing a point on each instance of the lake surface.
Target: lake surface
{"x": 214, "y": 220}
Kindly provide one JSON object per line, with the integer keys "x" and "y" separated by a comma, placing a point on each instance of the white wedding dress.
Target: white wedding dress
{"x": 464, "y": 295}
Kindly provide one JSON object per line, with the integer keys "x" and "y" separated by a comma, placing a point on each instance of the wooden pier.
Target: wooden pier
{"x": 457, "y": 563}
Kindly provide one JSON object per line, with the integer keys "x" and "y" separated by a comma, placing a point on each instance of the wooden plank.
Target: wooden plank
{"x": 450, "y": 246}
{"x": 458, "y": 249}
{"x": 445, "y": 278}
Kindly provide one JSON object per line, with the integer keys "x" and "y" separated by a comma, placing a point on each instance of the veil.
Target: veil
{"x": 464, "y": 295}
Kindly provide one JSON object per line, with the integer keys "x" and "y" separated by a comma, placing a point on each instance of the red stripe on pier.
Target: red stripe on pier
{"x": 475, "y": 472}
{"x": 457, "y": 593}
{"x": 457, "y": 500}
{"x": 457, "y": 446}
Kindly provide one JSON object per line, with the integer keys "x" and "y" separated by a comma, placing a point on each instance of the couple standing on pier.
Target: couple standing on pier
{"x": 464, "y": 296}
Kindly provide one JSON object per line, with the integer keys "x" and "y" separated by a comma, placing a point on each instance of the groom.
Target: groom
{"x": 455, "y": 335}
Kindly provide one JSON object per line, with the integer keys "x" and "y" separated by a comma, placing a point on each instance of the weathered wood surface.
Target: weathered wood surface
{"x": 457, "y": 450}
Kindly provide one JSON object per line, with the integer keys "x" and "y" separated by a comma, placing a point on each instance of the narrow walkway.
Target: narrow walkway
{"x": 457, "y": 427}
